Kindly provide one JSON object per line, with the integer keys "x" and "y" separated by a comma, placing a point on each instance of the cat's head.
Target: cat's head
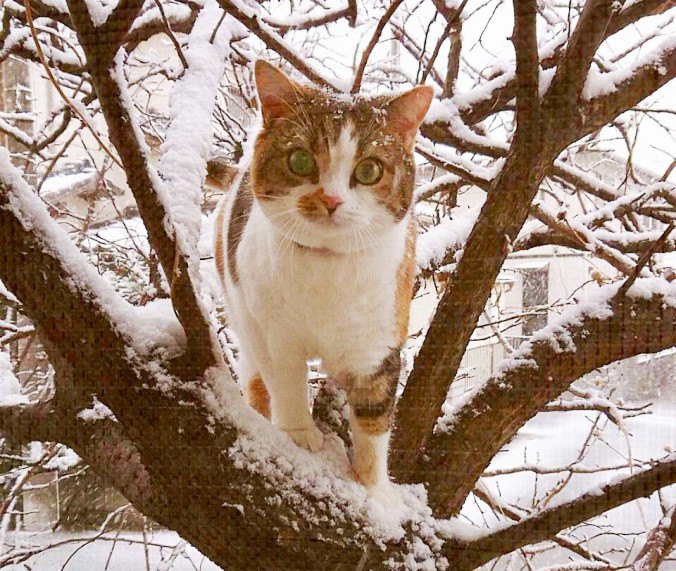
{"x": 334, "y": 171}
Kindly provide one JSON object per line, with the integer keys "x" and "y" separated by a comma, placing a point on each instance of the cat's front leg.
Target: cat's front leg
{"x": 372, "y": 399}
{"x": 286, "y": 381}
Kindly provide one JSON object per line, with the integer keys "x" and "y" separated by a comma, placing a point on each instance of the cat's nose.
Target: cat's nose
{"x": 331, "y": 202}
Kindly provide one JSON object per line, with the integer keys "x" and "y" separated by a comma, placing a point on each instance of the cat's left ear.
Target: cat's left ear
{"x": 276, "y": 92}
{"x": 406, "y": 112}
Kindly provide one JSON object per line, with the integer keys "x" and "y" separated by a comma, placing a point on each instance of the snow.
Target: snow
{"x": 126, "y": 551}
{"x": 15, "y": 132}
{"x": 557, "y": 333}
{"x": 98, "y": 411}
{"x": 10, "y": 388}
{"x": 56, "y": 184}
{"x": 173, "y": 12}
{"x": 8, "y": 295}
{"x": 446, "y": 110}
{"x": 553, "y": 439}
{"x": 303, "y": 480}
{"x": 298, "y": 19}
{"x": 99, "y": 10}
{"x": 145, "y": 329}
{"x": 599, "y": 83}
{"x": 64, "y": 460}
{"x": 448, "y": 234}
{"x": 466, "y": 100}
{"x": 187, "y": 145}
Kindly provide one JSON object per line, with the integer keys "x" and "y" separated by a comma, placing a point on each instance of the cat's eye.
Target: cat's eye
{"x": 368, "y": 171}
{"x": 302, "y": 163}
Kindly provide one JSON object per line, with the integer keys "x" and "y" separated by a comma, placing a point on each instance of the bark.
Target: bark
{"x": 491, "y": 418}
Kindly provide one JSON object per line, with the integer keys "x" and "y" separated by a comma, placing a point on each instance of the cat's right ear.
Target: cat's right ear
{"x": 276, "y": 92}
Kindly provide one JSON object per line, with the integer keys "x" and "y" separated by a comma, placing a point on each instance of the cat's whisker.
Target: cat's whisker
{"x": 285, "y": 241}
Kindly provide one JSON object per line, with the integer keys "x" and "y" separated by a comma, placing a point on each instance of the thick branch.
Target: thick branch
{"x": 502, "y": 216}
{"x": 33, "y": 269}
{"x": 571, "y": 71}
{"x": 636, "y": 11}
{"x": 550, "y": 238}
{"x": 152, "y": 209}
{"x": 658, "y": 69}
{"x": 542, "y": 371}
{"x": 524, "y": 39}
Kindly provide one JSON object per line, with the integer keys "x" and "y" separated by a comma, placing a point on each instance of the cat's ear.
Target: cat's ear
{"x": 276, "y": 92}
{"x": 405, "y": 112}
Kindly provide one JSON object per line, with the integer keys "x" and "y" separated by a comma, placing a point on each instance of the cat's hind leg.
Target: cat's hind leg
{"x": 372, "y": 399}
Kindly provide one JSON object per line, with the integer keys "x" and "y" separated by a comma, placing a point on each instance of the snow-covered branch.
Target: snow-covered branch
{"x": 547, "y": 523}
{"x": 592, "y": 334}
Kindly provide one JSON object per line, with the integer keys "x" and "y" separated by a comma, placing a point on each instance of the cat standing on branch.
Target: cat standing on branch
{"x": 316, "y": 251}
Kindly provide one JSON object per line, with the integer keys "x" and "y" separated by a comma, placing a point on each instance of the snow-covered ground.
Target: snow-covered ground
{"x": 549, "y": 440}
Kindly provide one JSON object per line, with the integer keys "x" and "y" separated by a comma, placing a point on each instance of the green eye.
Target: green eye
{"x": 368, "y": 171}
{"x": 301, "y": 162}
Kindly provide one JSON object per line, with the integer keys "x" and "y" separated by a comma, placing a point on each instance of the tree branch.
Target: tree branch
{"x": 652, "y": 72}
{"x": 625, "y": 326}
{"x": 635, "y": 12}
{"x": 502, "y": 216}
{"x": 549, "y": 522}
{"x": 572, "y": 69}
{"x": 256, "y": 26}
{"x": 153, "y": 211}
{"x": 384, "y": 19}
{"x": 525, "y": 43}
{"x": 658, "y": 545}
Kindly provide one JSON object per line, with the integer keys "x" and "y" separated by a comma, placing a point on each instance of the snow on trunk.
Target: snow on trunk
{"x": 10, "y": 387}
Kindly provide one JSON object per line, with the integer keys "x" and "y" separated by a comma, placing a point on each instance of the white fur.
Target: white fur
{"x": 334, "y": 298}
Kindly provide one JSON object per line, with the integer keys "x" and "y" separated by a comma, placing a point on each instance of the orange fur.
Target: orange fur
{"x": 405, "y": 281}
{"x": 219, "y": 253}
{"x": 258, "y": 396}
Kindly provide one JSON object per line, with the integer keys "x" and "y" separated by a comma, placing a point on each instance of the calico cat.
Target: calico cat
{"x": 316, "y": 250}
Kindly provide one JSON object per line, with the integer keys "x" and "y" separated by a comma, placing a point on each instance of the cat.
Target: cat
{"x": 316, "y": 249}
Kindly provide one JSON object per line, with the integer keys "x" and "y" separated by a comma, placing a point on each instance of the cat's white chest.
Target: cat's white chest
{"x": 334, "y": 306}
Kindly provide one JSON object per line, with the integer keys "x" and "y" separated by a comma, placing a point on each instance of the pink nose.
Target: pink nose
{"x": 331, "y": 202}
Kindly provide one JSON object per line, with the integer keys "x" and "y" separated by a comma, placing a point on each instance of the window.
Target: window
{"x": 535, "y": 292}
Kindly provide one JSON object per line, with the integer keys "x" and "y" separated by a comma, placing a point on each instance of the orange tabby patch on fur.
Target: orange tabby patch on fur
{"x": 405, "y": 281}
{"x": 258, "y": 396}
{"x": 218, "y": 245}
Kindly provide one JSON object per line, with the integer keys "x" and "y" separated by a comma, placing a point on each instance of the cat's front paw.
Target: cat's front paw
{"x": 386, "y": 493}
{"x": 310, "y": 438}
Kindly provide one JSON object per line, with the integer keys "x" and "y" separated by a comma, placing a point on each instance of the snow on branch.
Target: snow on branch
{"x": 658, "y": 545}
{"x": 437, "y": 246}
{"x": 547, "y": 523}
{"x": 108, "y": 78}
{"x": 82, "y": 286}
{"x": 599, "y": 84}
{"x": 187, "y": 145}
{"x": 606, "y": 326}
{"x": 273, "y": 40}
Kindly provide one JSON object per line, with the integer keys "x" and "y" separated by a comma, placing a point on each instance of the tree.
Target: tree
{"x": 181, "y": 445}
